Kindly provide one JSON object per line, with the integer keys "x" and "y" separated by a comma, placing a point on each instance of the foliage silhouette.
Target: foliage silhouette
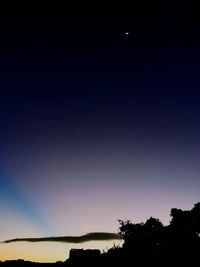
{"x": 145, "y": 243}
{"x": 180, "y": 240}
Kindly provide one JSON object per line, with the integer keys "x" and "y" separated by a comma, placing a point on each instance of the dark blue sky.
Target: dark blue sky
{"x": 104, "y": 122}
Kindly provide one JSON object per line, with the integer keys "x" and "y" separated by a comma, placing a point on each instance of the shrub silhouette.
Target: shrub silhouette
{"x": 143, "y": 238}
{"x": 180, "y": 240}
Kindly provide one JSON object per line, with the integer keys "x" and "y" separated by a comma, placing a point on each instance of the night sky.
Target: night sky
{"x": 96, "y": 125}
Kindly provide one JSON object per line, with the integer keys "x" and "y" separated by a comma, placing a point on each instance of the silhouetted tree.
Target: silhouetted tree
{"x": 186, "y": 223}
{"x": 142, "y": 237}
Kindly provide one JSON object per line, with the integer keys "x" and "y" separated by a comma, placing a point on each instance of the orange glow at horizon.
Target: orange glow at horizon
{"x": 47, "y": 251}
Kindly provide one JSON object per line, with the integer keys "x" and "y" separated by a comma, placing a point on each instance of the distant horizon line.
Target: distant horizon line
{"x": 94, "y": 236}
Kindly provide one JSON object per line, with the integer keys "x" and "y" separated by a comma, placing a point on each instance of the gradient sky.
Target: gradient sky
{"x": 95, "y": 125}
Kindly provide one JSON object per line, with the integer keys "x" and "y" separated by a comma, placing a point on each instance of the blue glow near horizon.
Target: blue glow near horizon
{"x": 12, "y": 195}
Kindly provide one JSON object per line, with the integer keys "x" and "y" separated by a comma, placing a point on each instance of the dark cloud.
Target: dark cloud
{"x": 70, "y": 239}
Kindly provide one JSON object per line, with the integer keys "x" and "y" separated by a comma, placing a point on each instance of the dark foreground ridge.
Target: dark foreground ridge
{"x": 145, "y": 243}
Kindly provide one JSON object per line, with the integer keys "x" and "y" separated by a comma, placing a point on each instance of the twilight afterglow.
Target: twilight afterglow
{"x": 95, "y": 128}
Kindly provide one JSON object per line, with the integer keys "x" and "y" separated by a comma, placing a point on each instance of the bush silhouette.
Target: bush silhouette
{"x": 180, "y": 240}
